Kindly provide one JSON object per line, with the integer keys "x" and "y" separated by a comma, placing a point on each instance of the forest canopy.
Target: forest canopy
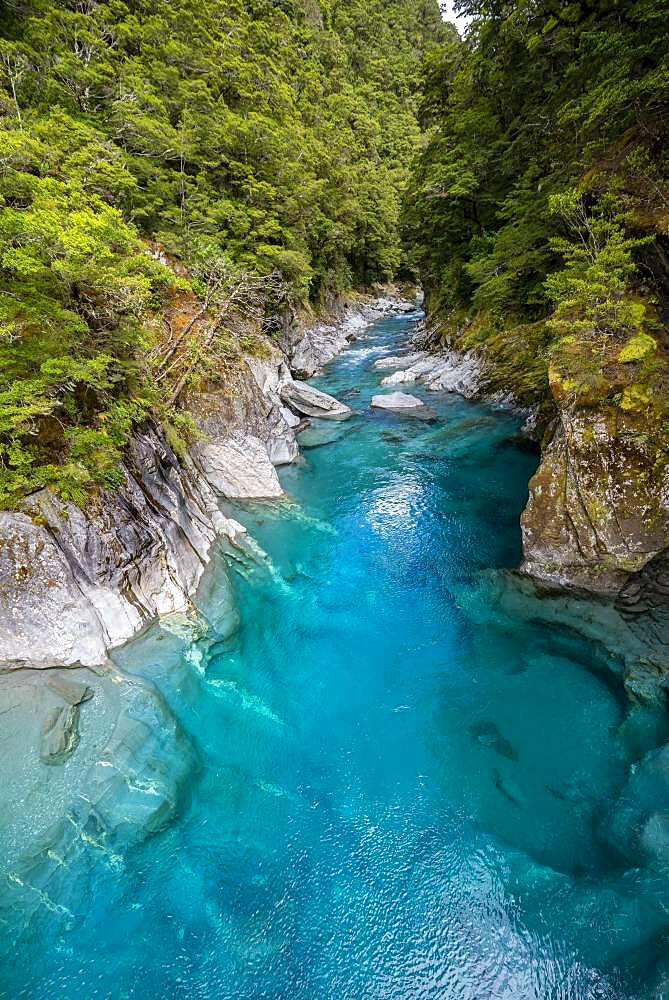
{"x": 538, "y": 213}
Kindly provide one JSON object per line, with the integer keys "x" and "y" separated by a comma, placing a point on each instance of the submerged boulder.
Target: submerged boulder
{"x": 79, "y": 784}
{"x": 60, "y": 734}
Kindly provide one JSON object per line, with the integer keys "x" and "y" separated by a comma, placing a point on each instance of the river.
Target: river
{"x": 399, "y": 784}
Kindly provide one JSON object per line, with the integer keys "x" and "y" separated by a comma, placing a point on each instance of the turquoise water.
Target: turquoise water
{"x": 400, "y": 786}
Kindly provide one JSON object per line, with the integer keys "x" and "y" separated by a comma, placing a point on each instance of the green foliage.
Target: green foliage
{"x": 542, "y": 186}
{"x": 261, "y": 138}
{"x": 590, "y": 291}
{"x": 637, "y": 348}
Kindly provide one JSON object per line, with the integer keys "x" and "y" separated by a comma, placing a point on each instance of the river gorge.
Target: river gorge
{"x": 393, "y": 768}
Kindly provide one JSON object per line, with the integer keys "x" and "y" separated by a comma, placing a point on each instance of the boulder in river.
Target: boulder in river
{"x": 397, "y": 401}
{"x": 310, "y": 402}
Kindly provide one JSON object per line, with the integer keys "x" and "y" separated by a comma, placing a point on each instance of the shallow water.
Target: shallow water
{"x": 400, "y": 786}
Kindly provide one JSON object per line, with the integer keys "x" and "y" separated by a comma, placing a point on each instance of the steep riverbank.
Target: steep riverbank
{"x": 381, "y": 797}
{"x": 597, "y": 517}
{"x": 74, "y": 584}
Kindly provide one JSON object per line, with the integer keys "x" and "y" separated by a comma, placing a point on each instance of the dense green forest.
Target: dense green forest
{"x": 538, "y": 215}
{"x": 162, "y": 162}
{"x": 154, "y": 152}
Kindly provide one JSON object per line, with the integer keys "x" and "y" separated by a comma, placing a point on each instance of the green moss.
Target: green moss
{"x": 635, "y": 397}
{"x": 637, "y": 348}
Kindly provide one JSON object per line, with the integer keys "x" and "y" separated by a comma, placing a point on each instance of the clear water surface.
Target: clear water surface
{"x": 399, "y": 786}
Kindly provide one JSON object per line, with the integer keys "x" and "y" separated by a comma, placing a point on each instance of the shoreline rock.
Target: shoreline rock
{"x": 310, "y": 402}
{"x": 311, "y": 347}
{"x": 75, "y": 795}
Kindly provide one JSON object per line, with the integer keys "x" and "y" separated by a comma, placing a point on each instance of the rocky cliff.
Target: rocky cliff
{"x": 75, "y": 583}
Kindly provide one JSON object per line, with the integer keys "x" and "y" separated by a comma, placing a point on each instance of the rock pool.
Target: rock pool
{"x": 401, "y": 789}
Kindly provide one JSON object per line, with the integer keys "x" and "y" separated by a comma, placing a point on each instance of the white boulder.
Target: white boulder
{"x": 397, "y": 401}
{"x": 310, "y": 402}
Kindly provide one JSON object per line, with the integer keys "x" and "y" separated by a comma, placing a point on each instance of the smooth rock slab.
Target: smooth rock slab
{"x": 310, "y": 402}
{"x": 79, "y": 785}
{"x": 397, "y": 401}
{"x": 239, "y": 468}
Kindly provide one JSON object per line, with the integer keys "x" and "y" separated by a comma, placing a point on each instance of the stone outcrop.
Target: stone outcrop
{"x": 596, "y": 515}
{"x": 74, "y": 584}
{"x": 247, "y": 405}
{"x": 598, "y": 512}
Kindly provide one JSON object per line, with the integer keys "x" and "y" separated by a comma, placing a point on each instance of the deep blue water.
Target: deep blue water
{"x": 399, "y": 785}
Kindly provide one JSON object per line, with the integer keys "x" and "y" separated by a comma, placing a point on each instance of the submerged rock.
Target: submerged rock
{"x": 60, "y": 734}
{"x": 487, "y": 734}
{"x": 71, "y": 691}
{"x": 637, "y": 825}
{"x": 509, "y": 789}
{"x": 75, "y": 793}
{"x": 316, "y": 436}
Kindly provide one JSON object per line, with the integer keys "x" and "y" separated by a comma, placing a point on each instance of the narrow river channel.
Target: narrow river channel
{"x": 399, "y": 783}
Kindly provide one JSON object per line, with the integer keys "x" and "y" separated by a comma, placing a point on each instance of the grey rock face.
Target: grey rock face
{"x": 74, "y": 584}
{"x": 239, "y": 468}
{"x": 250, "y": 407}
{"x": 45, "y": 619}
